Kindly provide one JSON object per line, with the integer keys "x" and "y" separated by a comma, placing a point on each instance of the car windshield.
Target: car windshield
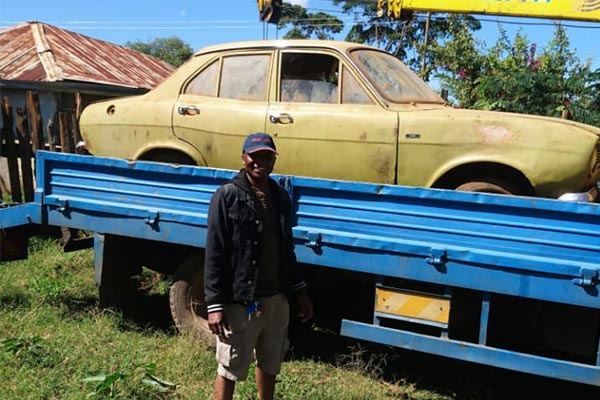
{"x": 394, "y": 80}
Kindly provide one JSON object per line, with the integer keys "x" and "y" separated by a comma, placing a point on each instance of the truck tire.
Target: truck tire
{"x": 186, "y": 298}
{"x": 485, "y": 187}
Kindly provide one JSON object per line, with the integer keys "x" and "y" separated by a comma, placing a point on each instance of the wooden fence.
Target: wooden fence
{"x": 20, "y": 140}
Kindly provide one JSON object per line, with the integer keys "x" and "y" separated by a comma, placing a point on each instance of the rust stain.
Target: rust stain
{"x": 495, "y": 134}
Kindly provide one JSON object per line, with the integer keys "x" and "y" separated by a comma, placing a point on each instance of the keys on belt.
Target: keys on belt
{"x": 253, "y": 307}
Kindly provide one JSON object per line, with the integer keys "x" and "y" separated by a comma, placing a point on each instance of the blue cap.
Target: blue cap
{"x": 259, "y": 141}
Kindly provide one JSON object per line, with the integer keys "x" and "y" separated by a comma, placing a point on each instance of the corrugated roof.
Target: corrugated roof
{"x": 34, "y": 51}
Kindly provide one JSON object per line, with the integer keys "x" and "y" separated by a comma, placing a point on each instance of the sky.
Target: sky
{"x": 206, "y": 22}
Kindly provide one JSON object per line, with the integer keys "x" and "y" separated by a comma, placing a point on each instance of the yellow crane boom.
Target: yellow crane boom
{"x": 584, "y": 10}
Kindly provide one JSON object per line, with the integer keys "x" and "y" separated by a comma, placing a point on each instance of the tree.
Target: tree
{"x": 404, "y": 38}
{"x": 172, "y": 49}
{"x": 512, "y": 76}
{"x": 306, "y": 25}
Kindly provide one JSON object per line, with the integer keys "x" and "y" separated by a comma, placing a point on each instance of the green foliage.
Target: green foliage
{"x": 305, "y": 25}
{"x": 172, "y": 49}
{"x": 29, "y": 351}
{"x": 404, "y": 38}
{"x": 512, "y": 76}
{"x": 142, "y": 381}
{"x": 20, "y": 345}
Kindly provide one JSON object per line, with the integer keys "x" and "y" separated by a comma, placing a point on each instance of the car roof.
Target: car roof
{"x": 289, "y": 43}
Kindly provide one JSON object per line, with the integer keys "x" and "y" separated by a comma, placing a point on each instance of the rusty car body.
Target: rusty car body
{"x": 341, "y": 110}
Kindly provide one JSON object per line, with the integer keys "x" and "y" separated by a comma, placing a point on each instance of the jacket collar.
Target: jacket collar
{"x": 241, "y": 181}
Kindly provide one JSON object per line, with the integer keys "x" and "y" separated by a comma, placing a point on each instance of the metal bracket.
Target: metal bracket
{"x": 589, "y": 277}
{"x": 63, "y": 206}
{"x": 314, "y": 240}
{"x": 437, "y": 257}
{"x": 153, "y": 217}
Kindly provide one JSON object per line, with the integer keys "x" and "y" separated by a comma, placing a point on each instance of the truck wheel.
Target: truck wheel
{"x": 485, "y": 187}
{"x": 186, "y": 298}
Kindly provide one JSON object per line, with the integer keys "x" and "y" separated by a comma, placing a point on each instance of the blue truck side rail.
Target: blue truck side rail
{"x": 539, "y": 250}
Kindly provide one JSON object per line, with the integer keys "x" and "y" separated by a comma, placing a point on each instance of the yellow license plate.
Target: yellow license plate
{"x": 413, "y": 305}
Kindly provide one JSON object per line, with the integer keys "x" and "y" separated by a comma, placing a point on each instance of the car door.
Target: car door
{"x": 327, "y": 124}
{"x": 222, "y": 103}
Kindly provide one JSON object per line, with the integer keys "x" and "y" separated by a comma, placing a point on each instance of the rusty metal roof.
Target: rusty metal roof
{"x": 34, "y": 51}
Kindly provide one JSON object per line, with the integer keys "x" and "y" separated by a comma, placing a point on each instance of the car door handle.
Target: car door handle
{"x": 188, "y": 110}
{"x": 281, "y": 119}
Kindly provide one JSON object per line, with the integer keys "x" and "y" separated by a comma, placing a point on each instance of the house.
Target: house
{"x": 69, "y": 70}
{"x": 58, "y": 63}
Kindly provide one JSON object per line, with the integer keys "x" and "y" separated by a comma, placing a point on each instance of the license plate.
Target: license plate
{"x": 412, "y": 305}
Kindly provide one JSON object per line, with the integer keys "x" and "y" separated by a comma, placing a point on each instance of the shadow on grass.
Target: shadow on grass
{"x": 147, "y": 312}
{"x": 453, "y": 378}
{"x": 14, "y": 300}
{"x": 320, "y": 341}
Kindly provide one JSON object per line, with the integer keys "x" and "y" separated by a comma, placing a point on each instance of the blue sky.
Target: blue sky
{"x": 202, "y": 22}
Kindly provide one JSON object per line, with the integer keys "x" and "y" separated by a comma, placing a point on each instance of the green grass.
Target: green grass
{"x": 55, "y": 343}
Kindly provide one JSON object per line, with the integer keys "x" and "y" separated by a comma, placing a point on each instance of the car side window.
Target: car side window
{"x": 314, "y": 78}
{"x": 205, "y": 83}
{"x": 245, "y": 77}
{"x": 352, "y": 92}
{"x": 309, "y": 78}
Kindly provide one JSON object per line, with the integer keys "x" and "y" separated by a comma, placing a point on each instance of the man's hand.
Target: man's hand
{"x": 305, "y": 306}
{"x": 216, "y": 323}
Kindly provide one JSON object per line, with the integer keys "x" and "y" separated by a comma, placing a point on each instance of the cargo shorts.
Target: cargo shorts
{"x": 260, "y": 336}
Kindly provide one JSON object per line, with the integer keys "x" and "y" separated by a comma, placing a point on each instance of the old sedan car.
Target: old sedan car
{"x": 343, "y": 111}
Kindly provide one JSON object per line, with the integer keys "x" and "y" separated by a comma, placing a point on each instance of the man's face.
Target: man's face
{"x": 259, "y": 164}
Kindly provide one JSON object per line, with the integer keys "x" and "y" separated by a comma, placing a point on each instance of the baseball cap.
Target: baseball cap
{"x": 258, "y": 141}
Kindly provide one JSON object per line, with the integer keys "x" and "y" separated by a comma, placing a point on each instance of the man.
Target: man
{"x": 250, "y": 268}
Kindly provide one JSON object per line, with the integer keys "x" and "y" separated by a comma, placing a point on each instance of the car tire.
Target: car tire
{"x": 186, "y": 299}
{"x": 486, "y": 187}
{"x": 172, "y": 157}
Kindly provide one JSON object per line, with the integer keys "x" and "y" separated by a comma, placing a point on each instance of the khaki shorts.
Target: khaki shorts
{"x": 261, "y": 335}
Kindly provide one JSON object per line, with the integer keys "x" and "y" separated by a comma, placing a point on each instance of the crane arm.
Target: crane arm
{"x": 584, "y": 10}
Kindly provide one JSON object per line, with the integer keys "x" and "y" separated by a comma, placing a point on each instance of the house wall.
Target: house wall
{"x": 48, "y": 105}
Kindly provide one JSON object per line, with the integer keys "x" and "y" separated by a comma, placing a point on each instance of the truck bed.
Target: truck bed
{"x": 536, "y": 249}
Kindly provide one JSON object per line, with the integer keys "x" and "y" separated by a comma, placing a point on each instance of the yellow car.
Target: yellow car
{"x": 345, "y": 111}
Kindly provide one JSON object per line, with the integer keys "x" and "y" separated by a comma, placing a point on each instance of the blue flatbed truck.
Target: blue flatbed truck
{"x": 503, "y": 281}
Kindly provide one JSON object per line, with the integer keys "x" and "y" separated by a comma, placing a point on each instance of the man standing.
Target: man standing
{"x": 250, "y": 269}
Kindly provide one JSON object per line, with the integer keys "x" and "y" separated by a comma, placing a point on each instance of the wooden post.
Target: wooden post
{"x": 65, "y": 139}
{"x": 25, "y": 153}
{"x": 566, "y": 114}
{"x": 8, "y": 138}
{"x": 77, "y": 132}
{"x": 51, "y": 135}
{"x": 35, "y": 119}
{"x": 75, "y": 128}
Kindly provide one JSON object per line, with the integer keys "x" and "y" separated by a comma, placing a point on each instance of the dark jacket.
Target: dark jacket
{"x": 231, "y": 244}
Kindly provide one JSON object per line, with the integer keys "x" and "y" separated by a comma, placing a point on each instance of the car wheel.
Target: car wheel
{"x": 486, "y": 187}
{"x": 186, "y": 298}
{"x": 172, "y": 157}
